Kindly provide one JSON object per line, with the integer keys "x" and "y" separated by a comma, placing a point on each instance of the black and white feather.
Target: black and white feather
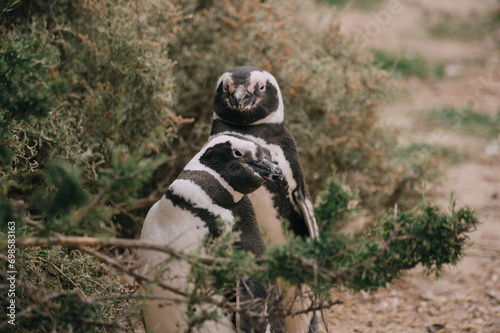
{"x": 248, "y": 102}
{"x": 213, "y": 185}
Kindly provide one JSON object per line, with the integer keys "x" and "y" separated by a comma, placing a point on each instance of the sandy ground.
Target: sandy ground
{"x": 467, "y": 297}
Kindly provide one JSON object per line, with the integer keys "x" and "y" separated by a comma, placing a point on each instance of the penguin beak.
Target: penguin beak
{"x": 267, "y": 170}
{"x": 241, "y": 97}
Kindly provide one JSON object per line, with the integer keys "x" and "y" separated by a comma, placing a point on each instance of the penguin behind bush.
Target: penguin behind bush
{"x": 248, "y": 102}
{"x": 213, "y": 185}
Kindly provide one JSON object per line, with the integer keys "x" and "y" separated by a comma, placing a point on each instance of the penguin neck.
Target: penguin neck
{"x": 206, "y": 177}
{"x": 217, "y": 190}
{"x": 276, "y": 117}
{"x": 263, "y": 134}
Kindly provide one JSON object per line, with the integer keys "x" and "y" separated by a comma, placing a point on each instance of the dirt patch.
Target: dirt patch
{"x": 466, "y": 298}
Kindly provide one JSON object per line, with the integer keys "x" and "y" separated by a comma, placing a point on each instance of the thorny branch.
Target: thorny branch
{"x": 79, "y": 242}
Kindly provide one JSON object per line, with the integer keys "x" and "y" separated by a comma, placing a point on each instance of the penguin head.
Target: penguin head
{"x": 242, "y": 163}
{"x": 248, "y": 96}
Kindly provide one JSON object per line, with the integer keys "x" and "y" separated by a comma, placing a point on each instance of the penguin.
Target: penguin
{"x": 248, "y": 102}
{"x": 213, "y": 185}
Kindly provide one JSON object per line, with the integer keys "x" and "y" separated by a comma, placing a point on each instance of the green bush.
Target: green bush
{"x": 467, "y": 120}
{"x": 335, "y": 204}
{"x": 86, "y": 99}
{"x": 449, "y": 154}
{"x": 363, "y": 4}
{"x": 407, "y": 64}
{"x": 86, "y": 87}
{"x": 470, "y": 28}
{"x": 61, "y": 292}
{"x": 395, "y": 243}
{"x": 29, "y": 90}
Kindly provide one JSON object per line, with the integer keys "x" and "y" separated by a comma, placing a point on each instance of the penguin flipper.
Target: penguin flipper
{"x": 307, "y": 211}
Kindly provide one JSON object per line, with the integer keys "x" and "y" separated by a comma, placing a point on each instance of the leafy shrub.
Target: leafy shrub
{"x": 407, "y": 64}
{"x": 28, "y": 91}
{"x": 363, "y": 4}
{"x": 335, "y": 204}
{"x": 62, "y": 290}
{"x": 395, "y": 243}
{"x": 448, "y": 153}
{"x": 467, "y": 120}
{"x": 98, "y": 98}
{"x": 470, "y": 28}
{"x": 85, "y": 107}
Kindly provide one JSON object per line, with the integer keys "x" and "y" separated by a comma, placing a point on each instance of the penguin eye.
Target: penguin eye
{"x": 228, "y": 87}
{"x": 238, "y": 153}
{"x": 262, "y": 86}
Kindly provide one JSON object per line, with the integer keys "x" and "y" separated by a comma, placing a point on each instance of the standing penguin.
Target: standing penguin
{"x": 213, "y": 185}
{"x": 248, "y": 102}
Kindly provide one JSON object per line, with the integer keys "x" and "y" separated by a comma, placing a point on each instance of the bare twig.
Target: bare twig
{"x": 67, "y": 277}
{"x": 81, "y": 241}
{"x": 139, "y": 277}
{"x": 88, "y": 244}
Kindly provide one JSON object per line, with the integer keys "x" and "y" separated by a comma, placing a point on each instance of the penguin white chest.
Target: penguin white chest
{"x": 173, "y": 226}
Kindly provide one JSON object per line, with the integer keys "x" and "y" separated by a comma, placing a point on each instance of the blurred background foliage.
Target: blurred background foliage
{"x": 103, "y": 102}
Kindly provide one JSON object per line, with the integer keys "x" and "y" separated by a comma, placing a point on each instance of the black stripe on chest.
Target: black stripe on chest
{"x": 204, "y": 214}
{"x": 213, "y": 188}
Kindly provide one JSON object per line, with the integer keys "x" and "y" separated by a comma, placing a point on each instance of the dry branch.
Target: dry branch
{"x": 86, "y": 245}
